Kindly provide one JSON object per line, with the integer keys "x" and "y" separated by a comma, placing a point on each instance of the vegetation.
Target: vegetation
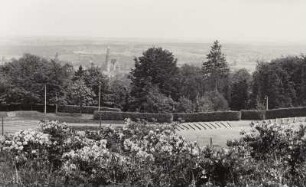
{"x": 154, "y": 74}
{"x": 135, "y": 116}
{"x": 85, "y": 109}
{"x": 156, "y": 84}
{"x": 141, "y": 154}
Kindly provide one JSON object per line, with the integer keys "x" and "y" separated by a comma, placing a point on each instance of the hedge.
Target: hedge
{"x": 85, "y": 109}
{"x": 286, "y": 113}
{"x": 209, "y": 116}
{"x": 159, "y": 117}
{"x": 253, "y": 114}
{"x": 26, "y": 107}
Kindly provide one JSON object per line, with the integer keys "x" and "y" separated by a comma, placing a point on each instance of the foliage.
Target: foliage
{"x": 120, "y": 94}
{"x": 240, "y": 90}
{"x": 253, "y": 114}
{"x": 184, "y": 105}
{"x": 155, "y": 69}
{"x": 211, "y": 101}
{"x": 216, "y": 67}
{"x": 80, "y": 94}
{"x": 192, "y": 83}
{"x": 286, "y": 112}
{"x": 94, "y": 79}
{"x": 282, "y": 80}
{"x": 24, "y": 79}
{"x": 278, "y": 151}
{"x": 157, "y": 102}
{"x": 85, "y": 109}
{"x": 142, "y": 154}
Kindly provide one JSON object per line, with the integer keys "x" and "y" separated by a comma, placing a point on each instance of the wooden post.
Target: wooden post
{"x": 100, "y": 120}
{"x": 99, "y": 97}
{"x": 267, "y": 103}
{"x": 2, "y": 127}
{"x": 56, "y": 103}
{"x": 210, "y": 141}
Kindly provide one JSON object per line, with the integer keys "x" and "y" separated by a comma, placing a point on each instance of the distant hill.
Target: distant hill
{"x": 84, "y": 52}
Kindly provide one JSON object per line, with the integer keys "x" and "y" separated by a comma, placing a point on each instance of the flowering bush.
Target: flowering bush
{"x": 143, "y": 154}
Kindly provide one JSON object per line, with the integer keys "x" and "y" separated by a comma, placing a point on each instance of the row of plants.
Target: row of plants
{"x": 142, "y": 154}
{"x": 204, "y": 116}
{"x": 273, "y": 114}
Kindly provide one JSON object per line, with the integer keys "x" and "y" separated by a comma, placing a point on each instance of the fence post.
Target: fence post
{"x": 210, "y": 141}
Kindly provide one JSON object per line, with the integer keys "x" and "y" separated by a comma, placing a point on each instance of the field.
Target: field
{"x": 201, "y": 132}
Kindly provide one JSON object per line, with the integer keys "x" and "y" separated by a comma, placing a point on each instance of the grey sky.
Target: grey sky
{"x": 227, "y": 20}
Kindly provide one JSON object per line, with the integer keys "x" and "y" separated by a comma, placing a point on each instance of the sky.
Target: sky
{"x": 199, "y": 20}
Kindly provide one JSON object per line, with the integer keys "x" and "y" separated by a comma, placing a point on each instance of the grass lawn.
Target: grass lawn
{"x": 201, "y": 132}
{"x": 219, "y": 135}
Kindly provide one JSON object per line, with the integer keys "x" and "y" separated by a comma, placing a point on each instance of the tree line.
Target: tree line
{"x": 157, "y": 84}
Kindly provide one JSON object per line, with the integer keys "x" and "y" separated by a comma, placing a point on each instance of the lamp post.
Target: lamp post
{"x": 45, "y": 109}
{"x": 99, "y": 96}
{"x": 99, "y": 105}
{"x": 267, "y": 102}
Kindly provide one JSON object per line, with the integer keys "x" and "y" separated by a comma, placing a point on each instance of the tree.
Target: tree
{"x": 94, "y": 79}
{"x": 156, "y": 68}
{"x": 25, "y": 79}
{"x": 240, "y": 82}
{"x": 184, "y": 105}
{"x": 120, "y": 94}
{"x": 157, "y": 102}
{"x": 79, "y": 74}
{"x": 192, "y": 84}
{"x": 80, "y": 94}
{"x": 215, "y": 68}
{"x": 276, "y": 82}
{"x": 211, "y": 101}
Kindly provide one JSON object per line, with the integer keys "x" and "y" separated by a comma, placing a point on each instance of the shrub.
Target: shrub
{"x": 159, "y": 117}
{"x": 212, "y": 101}
{"x": 209, "y": 116}
{"x": 85, "y": 109}
{"x": 142, "y": 154}
{"x": 253, "y": 114}
{"x": 286, "y": 112}
{"x": 184, "y": 105}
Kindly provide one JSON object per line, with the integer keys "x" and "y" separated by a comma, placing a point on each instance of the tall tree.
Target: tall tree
{"x": 215, "y": 68}
{"x": 240, "y": 90}
{"x": 156, "y": 68}
{"x": 120, "y": 94}
{"x": 79, "y": 94}
{"x": 27, "y": 76}
{"x": 94, "y": 79}
{"x": 192, "y": 84}
{"x": 274, "y": 81}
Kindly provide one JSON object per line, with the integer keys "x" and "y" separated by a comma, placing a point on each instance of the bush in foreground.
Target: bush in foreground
{"x": 142, "y": 154}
